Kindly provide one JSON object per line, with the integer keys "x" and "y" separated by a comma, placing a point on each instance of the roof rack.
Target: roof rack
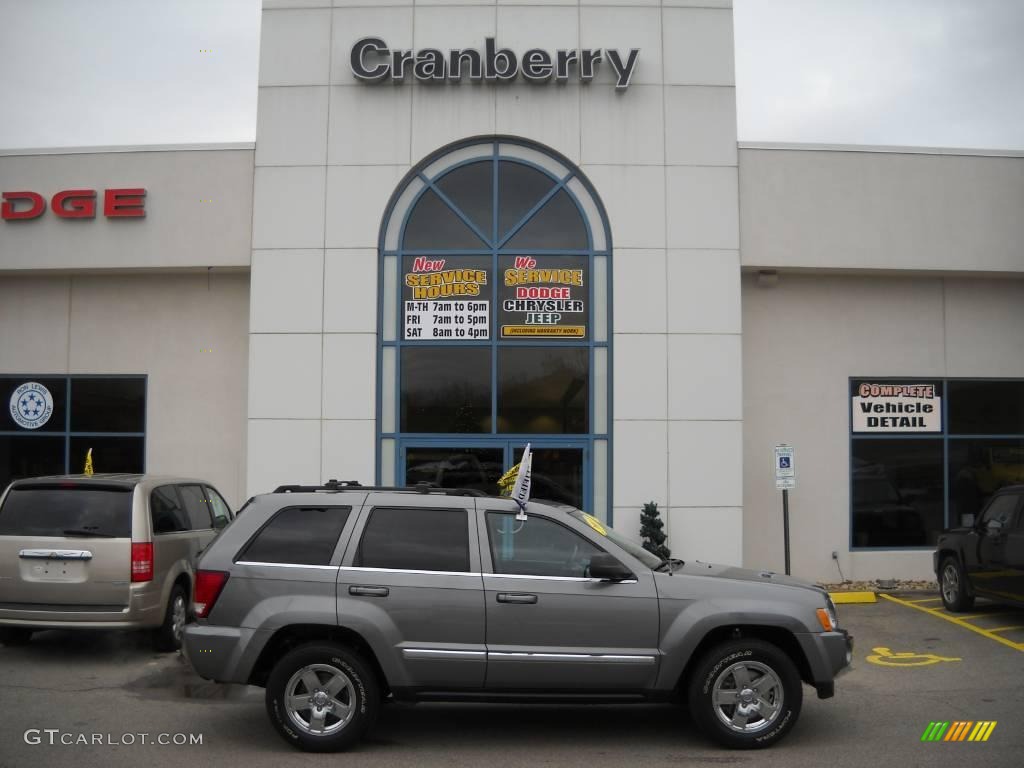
{"x": 355, "y": 485}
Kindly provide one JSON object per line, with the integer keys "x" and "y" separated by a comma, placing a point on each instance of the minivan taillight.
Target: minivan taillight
{"x": 142, "y": 561}
{"x": 206, "y": 591}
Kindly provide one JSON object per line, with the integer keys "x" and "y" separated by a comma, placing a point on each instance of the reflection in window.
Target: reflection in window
{"x": 446, "y": 389}
{"x": 475, "y": 468}
{"x": 471, "y": 187}
{"x": 520, "y": 188}
{"x": 986, "y": 407}
{"x": 979, "y": 468}
{"x": 557, "y": 474}
{"x": 537, "y": 547}
{"x": 432, "y": 224}
{"x": 896, "y": 489}
{"x": 557, "y": 225}
{"x": 543, "y": 390}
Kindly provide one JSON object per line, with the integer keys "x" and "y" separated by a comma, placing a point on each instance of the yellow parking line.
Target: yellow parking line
{"x": 959, "y": 622}
{"x": 1004, "y": 629}
{"x": 925, "y": 600}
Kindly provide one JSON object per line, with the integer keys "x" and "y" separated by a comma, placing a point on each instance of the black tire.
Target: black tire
{"x": 953, "y": 585}
{"x": 167, "y": 637}
{"x": 15, "y": 635}
{"x": 332, "y": 665}
{"x": 759, "y": 718}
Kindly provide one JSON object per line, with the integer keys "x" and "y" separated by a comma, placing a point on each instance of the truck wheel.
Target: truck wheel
{"x": 322, "y": 697}
{"x": 167, "y": 637}
{"x": 953, "y": 586}
{"x": 745, "y": 694}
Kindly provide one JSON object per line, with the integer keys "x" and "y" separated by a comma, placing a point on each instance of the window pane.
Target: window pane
{"x": 446, "y": 389}
{"x": 979, "y": 468}
{"x": 433, "y": 225}
{"x": 557, "y": 225}
{"x": 537, "y": 547}
{"x": 30, "y": 456}
{"x": 471, "y": 188}
{"x": 520, "y": 187}
{"x": 999, "y": 514}
{"x": 897, "y": 492}
{"x": 986, "y": 407}
{"x": 557, "y": 474}
{"x": 46, "y": 511}
{"x": 220, "y": 509}
{"x": 298, "y": 535}
{"x": 109, "y": 454}
{"x": 197, "y": 507}
{"x": 543, "y": 391}
{"x": 38, "y": 404}
{"x": 108, "y": 405}
{"x": 166, "y": 510}
{"x": 476, "y": 468}
{"x": 415, "y": 540}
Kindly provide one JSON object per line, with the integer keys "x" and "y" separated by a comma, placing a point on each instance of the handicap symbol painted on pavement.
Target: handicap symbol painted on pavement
{"x": 885, "y": 657}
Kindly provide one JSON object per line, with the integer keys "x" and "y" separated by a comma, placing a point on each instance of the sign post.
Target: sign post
{"x": 785, "y": 479}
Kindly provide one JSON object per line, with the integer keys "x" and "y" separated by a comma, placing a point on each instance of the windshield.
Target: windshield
{"x": 641, "y": 554}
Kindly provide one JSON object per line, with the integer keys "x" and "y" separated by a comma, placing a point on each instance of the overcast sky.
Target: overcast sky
{"x": 942, "y": 73}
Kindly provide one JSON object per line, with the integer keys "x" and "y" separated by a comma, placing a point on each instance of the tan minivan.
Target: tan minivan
{"x": 103, "y": 552}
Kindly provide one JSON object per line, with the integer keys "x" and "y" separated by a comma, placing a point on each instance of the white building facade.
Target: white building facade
{"x": 412, "y": 275}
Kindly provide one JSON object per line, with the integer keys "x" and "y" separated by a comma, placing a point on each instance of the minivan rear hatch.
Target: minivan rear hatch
{"x": 66, "y": 546}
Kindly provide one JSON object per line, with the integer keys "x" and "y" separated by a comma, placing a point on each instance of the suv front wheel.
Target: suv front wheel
{"x": 745, "y": 694}
{"x": 322, "y": 697}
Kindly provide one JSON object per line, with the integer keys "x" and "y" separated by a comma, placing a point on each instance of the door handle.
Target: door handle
{"x": 369, "y": 591}
{"x": 516, "y": 597}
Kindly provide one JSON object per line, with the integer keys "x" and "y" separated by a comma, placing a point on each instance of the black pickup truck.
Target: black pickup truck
{"x": 986, "y": 560}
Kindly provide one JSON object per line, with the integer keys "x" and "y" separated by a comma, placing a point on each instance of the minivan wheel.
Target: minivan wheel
{"x": 953, "y": 586}
{"x": 168, "y": 636}
{"x": 322, "y": 697}
{"x": 745, "y": 694}
{"x": 15, "y": 635}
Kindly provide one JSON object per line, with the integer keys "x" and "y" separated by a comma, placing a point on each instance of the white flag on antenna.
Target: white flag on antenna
{"x": 521, "y": 490}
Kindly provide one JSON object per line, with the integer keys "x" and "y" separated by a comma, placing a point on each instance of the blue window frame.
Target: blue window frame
{"x": 105, "y": 413}
{"x": 911, "y": 479}
{"x": 465, "y": 214}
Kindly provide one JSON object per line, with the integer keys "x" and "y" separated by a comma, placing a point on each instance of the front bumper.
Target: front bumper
{"x": 829, "y": 655}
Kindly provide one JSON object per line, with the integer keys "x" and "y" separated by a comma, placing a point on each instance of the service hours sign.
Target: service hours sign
{"x": 446, "y": 299}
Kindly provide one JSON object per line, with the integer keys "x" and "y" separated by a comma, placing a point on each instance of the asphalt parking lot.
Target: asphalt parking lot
{"x": 112, "y": 684}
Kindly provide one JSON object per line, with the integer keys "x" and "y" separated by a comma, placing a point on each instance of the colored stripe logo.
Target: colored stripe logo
{"x": 959, "y": 730}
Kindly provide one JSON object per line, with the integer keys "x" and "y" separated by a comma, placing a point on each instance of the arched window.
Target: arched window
{"x": 494, "y": 324}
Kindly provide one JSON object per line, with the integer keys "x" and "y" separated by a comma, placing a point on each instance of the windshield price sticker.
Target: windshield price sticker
{"x": 543, "y": 297}
{"x": 446, "y": 299}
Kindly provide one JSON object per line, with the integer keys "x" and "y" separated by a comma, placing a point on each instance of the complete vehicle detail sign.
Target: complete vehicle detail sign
{"x": 880, "y": 406}
{"x": 372, "y": 61}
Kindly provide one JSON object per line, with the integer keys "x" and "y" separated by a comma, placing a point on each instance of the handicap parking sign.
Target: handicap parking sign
{"x": 785, "y": 471}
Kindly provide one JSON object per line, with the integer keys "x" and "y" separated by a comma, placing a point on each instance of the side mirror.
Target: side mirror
{"x": 605, "y": 567}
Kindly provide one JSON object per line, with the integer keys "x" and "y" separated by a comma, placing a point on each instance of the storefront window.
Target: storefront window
{"x": 927, "y": 454}
{"x": 49, "y": 423}
{"x": 495, "y": 257}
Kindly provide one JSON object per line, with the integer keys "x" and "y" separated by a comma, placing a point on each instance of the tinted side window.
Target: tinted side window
{"x": 220, "y": 509}
{"x": 43, "y": 510}
{"x": 168, "y": 514}
{"x": 415, "y": 540}
{"x": 537, "y": 547}
{"x": 197, "y": 507}
{"x": 298, "y": 535}
{"x": 1000, "y": 511}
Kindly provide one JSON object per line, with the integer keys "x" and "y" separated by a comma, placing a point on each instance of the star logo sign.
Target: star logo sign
{"x": 31, "y": 405}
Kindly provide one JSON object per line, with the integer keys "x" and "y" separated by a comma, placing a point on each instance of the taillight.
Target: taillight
{"x": 142, "y": 561}
{"x": 206, "y": 591}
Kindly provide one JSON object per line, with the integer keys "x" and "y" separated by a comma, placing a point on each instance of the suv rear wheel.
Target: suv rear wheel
{"x": 745, "y": 694}
{"x": 322, "y": 697}
{"x": 953, "y": 586}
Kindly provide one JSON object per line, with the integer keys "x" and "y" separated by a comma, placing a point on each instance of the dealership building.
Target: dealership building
{"x": 465, "y": 229}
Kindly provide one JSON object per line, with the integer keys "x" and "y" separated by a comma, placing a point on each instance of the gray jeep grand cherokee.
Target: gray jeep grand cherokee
{"x": 334, "y": 597}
